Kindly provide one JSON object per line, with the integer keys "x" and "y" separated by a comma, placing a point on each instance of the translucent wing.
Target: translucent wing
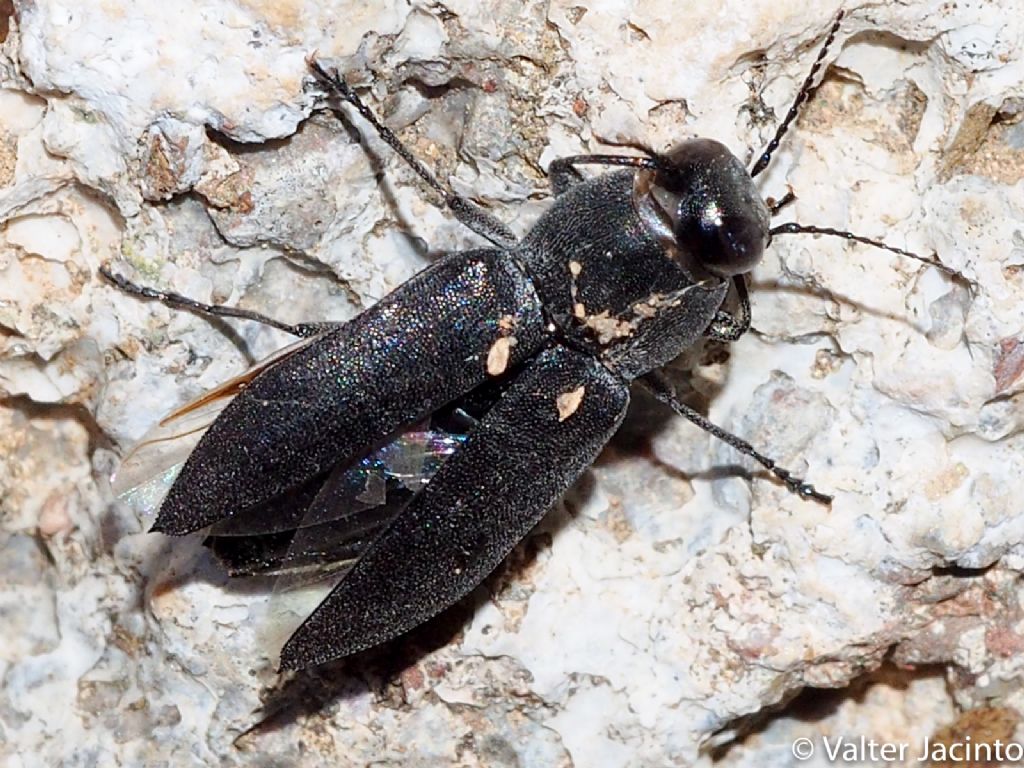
{"x": 150, "y": 468}
{"x": 352, "y": 506}
{"x": 333, "y": 511}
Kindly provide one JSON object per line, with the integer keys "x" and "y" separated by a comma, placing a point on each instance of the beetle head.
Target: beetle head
{"x": 702, "y": 203}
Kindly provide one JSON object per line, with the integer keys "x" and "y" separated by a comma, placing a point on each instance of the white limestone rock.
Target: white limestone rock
{"x": 669, "y": 597}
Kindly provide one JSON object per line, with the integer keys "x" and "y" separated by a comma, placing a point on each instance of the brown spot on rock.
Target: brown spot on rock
{"x": 981, "y": 726}
{"x": 1009, "y": 363}
{"x": 6, "y": 12}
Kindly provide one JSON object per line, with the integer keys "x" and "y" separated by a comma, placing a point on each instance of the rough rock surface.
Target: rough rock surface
{"x": 671, "y": 597}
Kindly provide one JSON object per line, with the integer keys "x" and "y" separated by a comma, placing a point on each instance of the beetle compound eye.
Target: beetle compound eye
{"x": 704, "y": 202}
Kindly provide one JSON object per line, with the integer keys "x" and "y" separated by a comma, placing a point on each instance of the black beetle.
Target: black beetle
{"x": 622, "y": 273}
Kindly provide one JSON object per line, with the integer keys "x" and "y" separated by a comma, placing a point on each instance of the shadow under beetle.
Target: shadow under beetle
{"x": 533, "y": 343}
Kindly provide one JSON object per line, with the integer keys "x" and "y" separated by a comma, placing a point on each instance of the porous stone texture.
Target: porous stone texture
{"x": 670, "y": 598}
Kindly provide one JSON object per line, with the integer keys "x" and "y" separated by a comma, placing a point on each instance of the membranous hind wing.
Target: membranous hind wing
{"x": 515, "y": 463}
{"x": 353, "y": 505}
{"x": 326, "y": 523}
{"x": 309, "y": 538}
{"x": 150, "y": 468}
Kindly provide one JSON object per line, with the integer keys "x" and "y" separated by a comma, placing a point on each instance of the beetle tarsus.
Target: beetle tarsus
{"x": 799, "y": 486}
{"x": 774, "y": 206}
{"x": 808, "y": 491}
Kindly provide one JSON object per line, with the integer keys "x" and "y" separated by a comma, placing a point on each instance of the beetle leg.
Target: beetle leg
{"x": 729, "y": 327}
{"x": 473, "y": 216}
{"x": 564, "y": 174}
{"x": 519, "y": 459}
{"x": 662, "y": 389}
{"x": 177, "y": 301}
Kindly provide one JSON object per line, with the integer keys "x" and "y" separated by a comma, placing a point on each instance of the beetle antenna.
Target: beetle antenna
{"x": 793, "y": 228}
{"x": 808, "y": 88}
